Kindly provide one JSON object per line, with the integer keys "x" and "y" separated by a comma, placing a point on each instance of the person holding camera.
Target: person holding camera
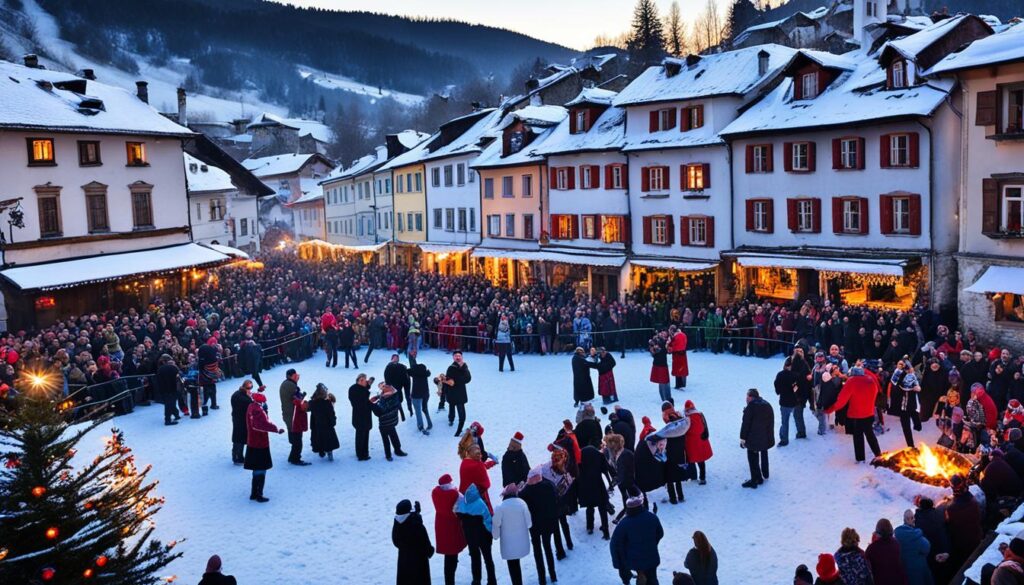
{"x": 386, "y": 404}
{"x": 362, "y": 416}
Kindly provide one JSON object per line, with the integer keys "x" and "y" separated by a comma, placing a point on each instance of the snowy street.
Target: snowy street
{"x": 331, "y": 522}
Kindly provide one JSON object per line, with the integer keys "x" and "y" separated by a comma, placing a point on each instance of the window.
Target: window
{"x": 472, "y": 176}
{"x": 695, "y": 177}
{"x": 760, "y": 158}
{"x": 1013, "y": 209}
{"x": 435, "y": 177}
{"x": 472, "y": 219}
{"x": 510, "y": 225}
{"x": 401, "y": 223}
{"x": 488, "y": 188}
{"x": 585, "y": 181}
{"x": 462, "y": 219}
{"x": 387, "y": 220}
{"x": 448, "y": 176}
{"x": 419, "y": 222}
{"x": 666, "y": 119}
{"x": 616, "y": 178}
{"x": 801, "y": 156}
{"x": 88, "y": 153}
{"x": 243, "y": 227}
{"x": 48, "y": 199}
{"x": 1014, "y": 110}
{"x": 506, "y": 187}
{"x": 527, "y": 185}
{"x": 216, "y": 210}
{"x": 564, "y": 226}
{"x": 581, "y": 122}
{"x": 437, "y": 218}
{"x": 408, "y": 220}
{"x": 494, "y": 226}
{"x": 809, "y": 85}
{"x": 849, "y": 153}
{"x": 449, "y": 219}
{"x": 871, "y": 9}
{"x": 613, "y": 229}
{"x": 899, "y": 74}
{"x": 656, "y": 179}
{"x": 659, "y": 231}
{"x": 136, "y": 154}
{"x": 142, "y": 206}
{"x": 460, "y": 174}
{"x": 761, "y": 215}
{"x": 693, "y": 117}
{"x": 900, "y": 215}
{"x": 419, "y": 181}
{"x": 528, "y": 226}
{"x": 40, "y": 152}
{"x": 852, "y": 216}
{"x": 899, "y": 150}
{"x": 805, "y": 215}
{"x": 697, "y": 230}
{"x": 96, "y": 207}
{"x": 590, "y": 227}
{"x": 562, "y": 177}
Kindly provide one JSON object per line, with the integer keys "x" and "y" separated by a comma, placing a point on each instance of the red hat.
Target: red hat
{"x": 826, "y": 568}
{"x": 444, "y": 480}
{"x": 555, "y": 447}
{"x": 257, "y": 397}
{"x": 518, "y": 437}
{"x": 567, "y": 424}
{"x": 689, "y": 405}
{"x": 479, "y": 428}
{"x": 646, "y": 420}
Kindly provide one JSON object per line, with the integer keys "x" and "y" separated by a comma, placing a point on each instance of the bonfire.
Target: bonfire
{"x": 924, "y": 464}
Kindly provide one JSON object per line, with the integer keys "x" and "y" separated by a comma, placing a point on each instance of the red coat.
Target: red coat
{"x": 300, "y": 418}
{"x": 448, "y": 536}
{"x": 473, "y": 472}
{"x": 680, "y": 367}
{"x": 328, "y": 322}
{"x": 697, "y": 449}
{"x": 257, "y": 425}
{"x": 860, "y": 393}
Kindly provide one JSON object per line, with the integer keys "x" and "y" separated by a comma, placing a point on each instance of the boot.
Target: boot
{"x": 206, "y": 411}
{"x": 260, "y": 482}
{"x": 255, "y": 490}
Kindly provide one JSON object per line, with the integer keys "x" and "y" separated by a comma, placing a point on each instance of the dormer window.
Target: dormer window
{"x": 516, "y": 141}
{"x": 809, "y": 85}
{"x": 693, "y": 117}
{"x": 898, "y": 72}
{"x": 580, "y": 118}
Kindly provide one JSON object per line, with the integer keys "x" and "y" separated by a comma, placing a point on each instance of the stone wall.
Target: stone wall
{"x": 978, "y": 313}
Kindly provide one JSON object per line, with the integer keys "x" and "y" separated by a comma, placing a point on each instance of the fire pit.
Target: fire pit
{"x": 923, "y": 464}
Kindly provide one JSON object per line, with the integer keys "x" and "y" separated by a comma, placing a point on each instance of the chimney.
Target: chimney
{"x": 89, "y": 74}
{"x": 762, "y": 63}
{"x": 31, "y": 60}
{"x": 182, "y": 113}
{"x": 142, "y": 90}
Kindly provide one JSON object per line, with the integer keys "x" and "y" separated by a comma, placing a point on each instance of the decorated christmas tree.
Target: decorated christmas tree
{"x": 65, "y": 520}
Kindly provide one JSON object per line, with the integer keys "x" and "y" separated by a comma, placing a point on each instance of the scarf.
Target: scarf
{"x": 473, "y": 505}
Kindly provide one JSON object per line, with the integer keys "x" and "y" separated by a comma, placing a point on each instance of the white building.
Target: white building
{"x": 990, "y": 257}
{"x": 679, "y": 166}
{"x": 292, "y": 177}
{"x": 219, "y": 213}
{"x": 97, "y": 177}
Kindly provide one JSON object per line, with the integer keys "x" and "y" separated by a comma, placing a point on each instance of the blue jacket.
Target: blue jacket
{"x": 634, "y": 543}
{"x": 914, "y": 548}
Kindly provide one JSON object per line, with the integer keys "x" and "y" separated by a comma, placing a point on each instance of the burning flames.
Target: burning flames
{"x": 924, "y": 464}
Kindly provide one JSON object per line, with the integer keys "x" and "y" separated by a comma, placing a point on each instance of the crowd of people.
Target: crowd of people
{"x": 851, "y": 366}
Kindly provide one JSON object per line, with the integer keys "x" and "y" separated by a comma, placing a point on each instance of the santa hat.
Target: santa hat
{"x": 689, "y": 405}
{"x": 1014, "y": 404}
{"x": 826, "y": 568}
{"x": 517, "y": 438}
{"x": 555, "y": 447}
{"x": 258, "y": 397}
{"x": 214, "y": 564}
{"x": 444, "y": 479}
{"x": 477, "y": 428}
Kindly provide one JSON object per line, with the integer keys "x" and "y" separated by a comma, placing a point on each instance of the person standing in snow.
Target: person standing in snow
{"x": 419, "y": 375}
{"x": 396, "y": 375}
{"x": 680, "y": 365}
{"x": 511, "y": 526}
{"x": 347, "y": 343}
{"x": 329, "y": 331}
{"x": 456, "y": 378}
{"x": 883, "y": 555}
{"x": 448, "y": 534}
{"x": 413, "y": 543}
{"x": 591, "y": 489}
{"x": 634, "y": 544}
{"x": 588, "y": 427}
{"x": 475, "y": 516}
{"x": 240, "y": 401}
{"x": 757, "y": 435}
{"x": 166, "y": 381}
{"x": 362, "y": 415}
{"x": 208, "y": 362}
{"x": 788, "y": 389}
{"x": 605, "y": 375}
{"x": 503, "y": 344}
{"x": 322, "y": 421}
{"x": 914, "y": 551}
{"x": 623, "y": 462}
{"x": 514, "y": 464}
{"x": 582, "y": 385}
{"x": 859, "y": 391}
{"x": 904, "y": 390}
{"x": 257, "y": 443}
{"x": 386, "y": 405}
{"x": 659, "y": 366}
{"x": 698, "y": 441}
{"x": 853, "y": 566}
{"x": 702, "y": 561}
{"x": 473, "y": 471}
{"x": 213, "y": 574}
{"x": 542, "y": 500}
{"x": 556, "y": 471}
{"x": 289, "y": 388}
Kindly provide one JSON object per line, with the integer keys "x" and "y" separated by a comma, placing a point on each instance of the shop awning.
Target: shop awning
{"x": 233, "y": 252}
{"x": 346, "y": 247}
{"x": 584, "y": 258}
{"x": 106, "y": 267}
{"x": 999, "y": 279}
{"x": 445, "y": 248}
{"x": 893, "y": 267}
{"x": 681, "y": 265}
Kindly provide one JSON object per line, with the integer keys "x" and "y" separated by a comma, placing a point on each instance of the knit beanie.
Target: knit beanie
{"x": 213, "y": 565}
{"x": 803, "y": 575}
{"x": 1017, "y": 544}
{"x": 403, "y": 507}
{"x": 826, "y": 567}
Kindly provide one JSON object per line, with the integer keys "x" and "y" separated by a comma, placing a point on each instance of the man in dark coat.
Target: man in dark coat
{"x": 362, "y": 416}
{"x": 650, "y": 472}
{"x": 240, "y": 401}
{"x": 250, "y": 358}
{"x": 963, "y": 521}
{"x": 757, "y": 435}
{"x": 386, "y": 405}
{"x": 376, "y": 333}
{"x": 397, "y": 374}
{"x": 457, "y": 394}
{"x": 346, "y": 343}
{"x": 514, "y": 464}
{"x": 623, "y": 423}
{"x": 166, "y": 381}
{"x": 542, "y": 500}
{"x": 591, "y": 489}
{"x": 634, "y": 544}
{"x": 932, "y": 523}
{"x": 582, "y": 385}
{"x": 208, "y": 356}
{"x": 287, "y": 392}
{"x": 588, "y": 428}
{"x": 413, "y": 543}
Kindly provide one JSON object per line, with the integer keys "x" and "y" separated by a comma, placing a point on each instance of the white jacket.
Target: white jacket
{"x": 511, "y": 525}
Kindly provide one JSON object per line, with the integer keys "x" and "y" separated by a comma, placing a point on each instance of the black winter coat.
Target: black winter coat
{"x": 625, "y": 472}
{"x": 217, "y": 579}
{"x": 458, "y": 394}
{"x": 322, "y": 421}
{"x": 784, "y": 382}
{"x": 626, "y": 427}
{"x": 675, "y": 460}
{"x": 240, "y": 402}
{"x": 590, "y": 486}
{"x": 420, "y": 376}
{"x": 250, "y": 358}
{"x": 359, "y": 398}
{"x": 474, "y": 530}
{"x": 346, "y": 337}
{"x": 514, "y": 467}
{"x": 167, "y": 381}
{"x": 582, "y": 385}
{"x": 650, "y": 473}
{"x": 758, "y": 428}
{"x": 414, "y": 550}
{"x": 542, "y": 500}
{"x": 397, "y": 375}
{"x": 588, "y": 432}
{"x": 386, "y": 409}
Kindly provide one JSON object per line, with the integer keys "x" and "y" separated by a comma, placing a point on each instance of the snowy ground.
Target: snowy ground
{"x": 331, "y": 522}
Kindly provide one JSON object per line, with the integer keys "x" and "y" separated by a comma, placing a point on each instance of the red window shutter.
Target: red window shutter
{"x": 885, "y": 214}
{"x": 771, "y": 157}
{"x": 709, "y": 225}
{"x": 684, "y": 183}
{"x": 608, "y": 176}
{"x": 791, "y": 218}
{"x": 770, "y": 211}
{"x": 554, "y": 226}
{"x": 865, "y": 217}
{"x": 574, "y": 220}
{"x": 750, "y": 158}
{"x": 861, "y": 155}
{"x": 837, "y": 153}
{"x": 823, "y": 76}
{"x": 672, "y": 118}
{"x": 986, "y": 110}
{"x": 653, "y": 121}
{"x": 670, "y": 232}
{"x": 884, "y": 143}
{"x": 553, "y": 184}
{"x": 700, "y": 115}
{"x": 750, "y": 215}
{"x": 915, "y": 215}
{"x": 597, "y": 226}
{"x": 572, "y": 122}
{"x": 570, "y": 177}
{"x": 837, "y": 215}
{"x": 888, "y": 77}
{"x": 706, "y": 170}
{"x": 915, "y": 149}
{"x": 645, "y": 179}
{"x": 989, "y": 206}
{"x": 787, "y": 156}
{"x": 668, "y": 178}
{"x": 647, "y": 230}
{"x": 595, "y": 177}
{"x": 684, "y": 230}
{"x": 625, "y": 176}
{"x": 588, "y": 118}
{"x": 798, "y": 88}
{"x": 812, "y": 148}
{"x": 816, "y": 216}
{"x": 684, "y": 120}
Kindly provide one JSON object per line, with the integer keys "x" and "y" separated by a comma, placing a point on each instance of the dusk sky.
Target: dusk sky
{"x": 573, "y": 23}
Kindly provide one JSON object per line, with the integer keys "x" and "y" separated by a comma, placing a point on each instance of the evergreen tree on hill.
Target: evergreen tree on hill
{"x": 646, "y": 43}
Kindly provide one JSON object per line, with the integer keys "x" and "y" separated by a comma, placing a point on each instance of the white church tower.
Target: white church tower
{"x": 865, "y": 13}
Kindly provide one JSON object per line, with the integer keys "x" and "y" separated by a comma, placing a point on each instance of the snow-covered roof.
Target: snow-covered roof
{"x": 1003, "y": 47}
{"x": 728, "y": 73}
{"x": 319, "y": 132}
{"x": 593, "y": 95}
{"x": 911, "y": 45}
{"x": 279, "y": 164}
{"x": 105, "y": 267}
{"x": 410, "y": 138}
{"x": 309, "y": 195}
{"x": 608, "y": 132}
{"x": 204, "y": 178}
{"x": 819, "y": 12}
{"x": 469, "y": 141}
{"x": 61, "y": 102}
{"x": 412, "y": 156}
{"x": 535, "y": 116}
{"x": 845, "y": 62}
{"x": 854, "y": 97}
{"x": 532, "y": 152}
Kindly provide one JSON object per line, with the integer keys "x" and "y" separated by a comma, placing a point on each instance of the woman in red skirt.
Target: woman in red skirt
{"x": 605, "y": 375}
{"x": 659, "y": 367}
